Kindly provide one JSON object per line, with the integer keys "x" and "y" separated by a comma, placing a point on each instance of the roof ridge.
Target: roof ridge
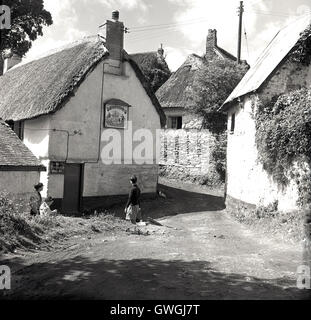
{"x": 65, "y": 46}
{"x": 145, "y": 52}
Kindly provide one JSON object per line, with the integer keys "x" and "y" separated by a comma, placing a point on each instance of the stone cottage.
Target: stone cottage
{"x": 272, "y": 74}
{"x": 75, "y": 103}
{"x": 19, "y": 168}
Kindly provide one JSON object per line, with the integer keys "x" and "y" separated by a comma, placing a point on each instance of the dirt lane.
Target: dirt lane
{"x": 201, "y": 255}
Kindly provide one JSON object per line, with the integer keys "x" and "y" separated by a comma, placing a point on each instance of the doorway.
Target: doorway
{"x": 73, "y": 186}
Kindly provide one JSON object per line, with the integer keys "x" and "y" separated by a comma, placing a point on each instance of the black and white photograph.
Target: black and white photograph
{"x": 155, "y": 150}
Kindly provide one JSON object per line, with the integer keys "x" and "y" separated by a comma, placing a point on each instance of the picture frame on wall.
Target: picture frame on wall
{"x": 116, "y": 114}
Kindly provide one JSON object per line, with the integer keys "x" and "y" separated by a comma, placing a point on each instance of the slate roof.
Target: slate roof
{"x": 277, "y": 50}
{"x": 13, "y": 152}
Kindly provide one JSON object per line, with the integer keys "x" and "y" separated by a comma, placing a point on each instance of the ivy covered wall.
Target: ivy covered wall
{"x": 269, "y": 154}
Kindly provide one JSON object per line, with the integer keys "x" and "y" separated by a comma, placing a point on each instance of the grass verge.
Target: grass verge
{"x": 22, "y": 231}
{"x": 288, "y": 226}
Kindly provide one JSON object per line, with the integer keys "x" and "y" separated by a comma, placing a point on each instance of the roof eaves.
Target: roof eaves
{"x": 39, "y": 168}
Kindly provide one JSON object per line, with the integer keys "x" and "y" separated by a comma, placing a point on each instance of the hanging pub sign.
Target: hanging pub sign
{"x": 116, "y": 114}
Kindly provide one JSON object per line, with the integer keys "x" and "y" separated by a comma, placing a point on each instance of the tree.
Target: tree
{"x": 156, "y": 71}
{"x": 27, "y": 20}
{"x": 213, "y": 84}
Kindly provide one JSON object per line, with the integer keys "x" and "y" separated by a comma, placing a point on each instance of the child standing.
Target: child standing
{"x": 133, "y": 209}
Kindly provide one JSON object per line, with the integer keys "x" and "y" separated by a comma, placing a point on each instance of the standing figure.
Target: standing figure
{"x": 133, "y": 209}
{"x": 36, "y": 200}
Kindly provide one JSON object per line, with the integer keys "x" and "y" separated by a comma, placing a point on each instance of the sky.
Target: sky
{"x": 180, "y": 25}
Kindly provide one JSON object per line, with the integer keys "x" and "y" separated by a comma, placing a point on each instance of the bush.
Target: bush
{"x": 270, "y": 211}
{"x": 283, "y": 138}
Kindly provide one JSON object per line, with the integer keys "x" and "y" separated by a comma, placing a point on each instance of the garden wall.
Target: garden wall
{"x": 191, "y": 154}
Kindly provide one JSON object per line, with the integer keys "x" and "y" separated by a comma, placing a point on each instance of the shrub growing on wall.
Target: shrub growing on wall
{"x": 302, "y": 50}
{"x": 283, "y": 129}
{"x": 283, "y": 138}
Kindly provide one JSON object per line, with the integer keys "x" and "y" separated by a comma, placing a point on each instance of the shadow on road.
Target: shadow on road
{"x": 177, "y": 201}
{"x": 81, "y": 278}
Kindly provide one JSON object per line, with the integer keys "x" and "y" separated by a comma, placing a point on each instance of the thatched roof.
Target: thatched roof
{"x": 145, "y": 58}
{"x": 177, "y": 91}
{"x": 225, "y": 54}
{"x": 14, "y": 155}
{"x": 41, "y": 86}
{"x": 44, "y": 85}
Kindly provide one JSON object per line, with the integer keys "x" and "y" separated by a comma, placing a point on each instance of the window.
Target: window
{"x": 175, "y": 122}
{"x": 17, "y": 127}
{"x": 57, "y": 167}
{"x": 232, "y": 123}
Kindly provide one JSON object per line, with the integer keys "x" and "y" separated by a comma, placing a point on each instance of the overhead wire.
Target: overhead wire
{"x": 155, "y": 26}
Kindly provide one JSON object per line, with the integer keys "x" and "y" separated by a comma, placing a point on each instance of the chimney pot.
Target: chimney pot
{"x": 161, "y": 50}
{"x": 115, "y": 15}
{"x": 211, "y": 42}
{"x": 212, "y": 38}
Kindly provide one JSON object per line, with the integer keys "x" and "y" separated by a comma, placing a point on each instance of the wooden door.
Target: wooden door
{"x": 72, "y": 188}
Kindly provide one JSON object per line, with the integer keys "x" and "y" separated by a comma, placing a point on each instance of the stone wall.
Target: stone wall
{"x": 187, "y": 154}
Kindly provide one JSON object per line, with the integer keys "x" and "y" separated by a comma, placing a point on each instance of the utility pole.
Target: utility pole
{"x": 240, "y": 13}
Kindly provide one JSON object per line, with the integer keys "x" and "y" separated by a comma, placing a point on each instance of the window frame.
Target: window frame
{"x": 177, "y": 121}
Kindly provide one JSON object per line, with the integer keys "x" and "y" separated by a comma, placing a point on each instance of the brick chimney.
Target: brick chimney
{"x": 115, "y": 37}
{"x": 11, "y": 62}
{"x": 211, "y": 41}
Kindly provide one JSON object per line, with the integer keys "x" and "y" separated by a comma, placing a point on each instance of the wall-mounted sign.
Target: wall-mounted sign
{"x": 57, "y": 167}
{"x": 116, "y": 114}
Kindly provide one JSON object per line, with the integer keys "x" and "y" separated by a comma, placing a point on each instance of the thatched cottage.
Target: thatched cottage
{"x": 273, "y": 74}
{"x": 188, "y": 151}
{"x": 177, "y": 92}
{"x": 70, "y": 104}
{"x": 19, "y": 168}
